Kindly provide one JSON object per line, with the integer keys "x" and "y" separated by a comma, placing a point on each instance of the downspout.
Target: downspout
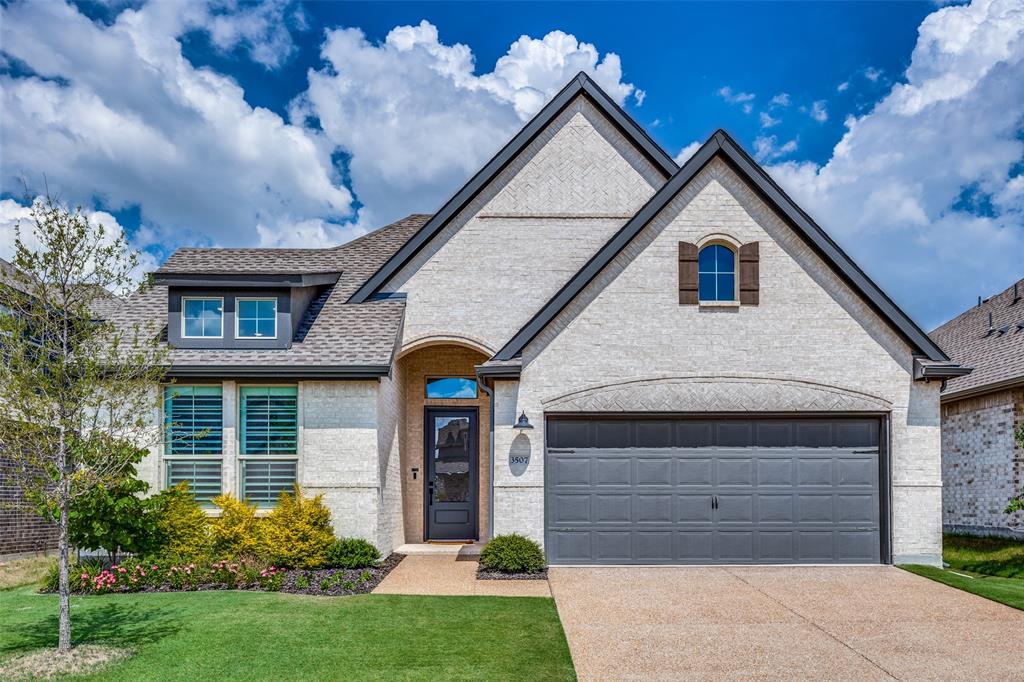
{"x": 490, "y": 458}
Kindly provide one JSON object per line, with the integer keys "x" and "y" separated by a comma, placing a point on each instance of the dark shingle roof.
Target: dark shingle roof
{"x": 332, "y": 334}
{"x": 997, "y": 356}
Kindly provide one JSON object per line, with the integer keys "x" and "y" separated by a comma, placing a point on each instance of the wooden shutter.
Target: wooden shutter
{"x": 749, "y": 274}
{"x": 687, "y": 273}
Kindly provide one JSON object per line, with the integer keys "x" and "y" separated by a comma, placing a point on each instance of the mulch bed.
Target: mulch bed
{"x": 484, "y": 574}
{"x": 333, "y": 582}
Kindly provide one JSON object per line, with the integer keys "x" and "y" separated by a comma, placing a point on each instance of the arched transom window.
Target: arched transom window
{"x": 716, "y": 272}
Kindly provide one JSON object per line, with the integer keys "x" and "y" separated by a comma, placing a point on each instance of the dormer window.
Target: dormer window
{"x": 257, "y": 318}
{"x": 203, "y": 318}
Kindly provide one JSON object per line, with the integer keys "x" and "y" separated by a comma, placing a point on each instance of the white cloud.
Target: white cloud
{"x": 417, "y": 120}
{"x": 767, "y": 121}
{"x": 16, "y": 220}
{"x": 818, "y": 111}
{"x": 953, "y": 124}
{"x": 780, "y": 100}
{"x": 639, "y": 96}
{"x": 843, "y": 87}
{"x": 686, "y": 152}
{"x": 872, "y": 74}
{"x": 767, "y": 148}
{"x": 131, "y": 121}
{"x": 261, "y": 29}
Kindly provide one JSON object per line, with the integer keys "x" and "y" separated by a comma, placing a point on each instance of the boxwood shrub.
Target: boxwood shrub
{"x": 351, "y": 553}
{"x": 512, "y": 553}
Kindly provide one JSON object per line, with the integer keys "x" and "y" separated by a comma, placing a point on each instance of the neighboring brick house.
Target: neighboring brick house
{"x": 630, "y": 361}
{"x": 22, "y": 531}
{"x": 982, "y": 465}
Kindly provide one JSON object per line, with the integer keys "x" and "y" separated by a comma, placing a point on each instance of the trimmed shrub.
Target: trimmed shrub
{"x": 182, "y": 524}
{"x": 298, "y": 532}
{"x": 512, "y": 553}
{"x": 351, "y": 553}
{"x": 236, "y": 532}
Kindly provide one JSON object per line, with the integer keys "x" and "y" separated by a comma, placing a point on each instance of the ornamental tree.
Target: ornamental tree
{"x": 1017, "y": 503}
{"x": 76, "y": 391}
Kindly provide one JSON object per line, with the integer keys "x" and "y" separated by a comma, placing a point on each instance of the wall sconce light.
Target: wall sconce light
{"x": 523, "y": 424}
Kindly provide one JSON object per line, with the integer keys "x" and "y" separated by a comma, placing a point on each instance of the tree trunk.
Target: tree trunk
{"x": 64, "y": 637}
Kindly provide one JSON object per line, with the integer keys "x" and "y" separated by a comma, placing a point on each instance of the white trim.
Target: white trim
{"x": 202, "y": 298}
{"x": 727, "y": 242}
{"x": 238, "y": 317}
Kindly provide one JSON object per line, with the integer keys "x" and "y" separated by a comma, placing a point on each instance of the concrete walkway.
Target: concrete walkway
{"x": 447, "y": 574}
{"x": 782, "y": 623}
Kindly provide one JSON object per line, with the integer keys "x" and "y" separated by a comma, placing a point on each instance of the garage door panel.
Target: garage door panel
{"x": 693, "y": 509}
{"x": 753, "y": 491}
{"x": 653, "y": 508}
{"x": 569, "y": 471}
{"x": 613, "y": 471}
{"x": 613, "y": 508}
{"x": 774, "y": 471}
{"x": 654, "y": 471}
{"x": 569, "y": 509}
{"x": 739, "y": 471}
{"x": 694, "y": 471}
{"x": 695, "y": 546}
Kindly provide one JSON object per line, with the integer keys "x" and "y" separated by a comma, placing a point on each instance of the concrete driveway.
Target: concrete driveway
{"x": 822, "y": 623}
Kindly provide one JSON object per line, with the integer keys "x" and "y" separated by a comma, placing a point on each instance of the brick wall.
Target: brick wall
{"x": 982, "y": 466}
{"x": 809, "y": 327}
{"x": 21, "y": 530}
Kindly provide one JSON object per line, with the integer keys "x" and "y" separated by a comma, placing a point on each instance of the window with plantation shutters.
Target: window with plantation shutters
{"x": 269, "y": 442}
{"x": 270, "y": 420}
{"x": 194, "y": 429}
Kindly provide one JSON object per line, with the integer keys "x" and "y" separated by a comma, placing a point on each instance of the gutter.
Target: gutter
{"x": 981, "y": 390}
{"x": 280, "y": 371}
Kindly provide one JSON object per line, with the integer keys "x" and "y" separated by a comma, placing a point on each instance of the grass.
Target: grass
{"x": 1009, "y": 591}
{"x": 988, "y": 556}
{"x": 272, "y": 636}
{"x": 18, "y": 572}
{"x": 988, "y": 567}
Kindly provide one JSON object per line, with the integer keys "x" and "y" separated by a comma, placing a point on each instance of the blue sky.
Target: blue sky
{"x": 898, "y": 126}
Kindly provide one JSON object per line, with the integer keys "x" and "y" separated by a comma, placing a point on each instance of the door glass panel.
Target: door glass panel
{"x": 451, "y": 459}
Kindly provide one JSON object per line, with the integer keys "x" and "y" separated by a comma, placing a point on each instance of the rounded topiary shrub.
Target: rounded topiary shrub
{"x": 512, "y": 554}
{"x": 351, "y": 553}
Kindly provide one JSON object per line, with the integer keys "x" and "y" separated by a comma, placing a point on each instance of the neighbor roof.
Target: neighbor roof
{"x": 996, "y": 352}
{"x": 335, "y": 338}
{"x": 580, "y": 85}
{"x": 721, "y": 144}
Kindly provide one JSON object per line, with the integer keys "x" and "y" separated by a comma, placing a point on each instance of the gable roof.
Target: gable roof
{"x": 580, "y": 85}
{"x": 722, "y": 145}
{"x": 334, "y": 338}
{"x": 996, "y": 352}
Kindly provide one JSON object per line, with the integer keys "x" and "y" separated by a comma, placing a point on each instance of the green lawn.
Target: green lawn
{"x": 990, "y": 556}
{"x": 270, "y": 636}
{"x": 988, "y": 567}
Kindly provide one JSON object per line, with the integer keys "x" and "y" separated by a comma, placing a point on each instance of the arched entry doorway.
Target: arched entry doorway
{"x": 445, "y": 443}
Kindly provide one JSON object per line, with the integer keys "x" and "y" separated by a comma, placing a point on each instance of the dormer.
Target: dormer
{"x": 239, "y": 310}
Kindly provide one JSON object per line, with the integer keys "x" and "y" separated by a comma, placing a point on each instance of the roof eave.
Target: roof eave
{"x": 279, "y": 371}
{"x": 925, "y": 370}
{"x": 984, "y": 389}
{"x": 245, "y": 280}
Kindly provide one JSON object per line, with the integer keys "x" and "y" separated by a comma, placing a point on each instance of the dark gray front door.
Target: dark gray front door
{"x": 451, "y": 450}
{"x": 733, "y": 491}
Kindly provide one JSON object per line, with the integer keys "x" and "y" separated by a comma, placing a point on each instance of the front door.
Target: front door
{"x": 451, "y": 450}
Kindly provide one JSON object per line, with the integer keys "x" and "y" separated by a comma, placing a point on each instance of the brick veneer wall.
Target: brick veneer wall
{"x": 21, "y": 530}
{"x": 982, "y": 466}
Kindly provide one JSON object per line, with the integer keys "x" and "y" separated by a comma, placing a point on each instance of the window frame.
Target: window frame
{"x": 734, "y": 249}
{"x": 184, "y": 326}
{"x": 238, "y": 317}
{"x": 241, "y": 457}
{"x": 426, "y": 387}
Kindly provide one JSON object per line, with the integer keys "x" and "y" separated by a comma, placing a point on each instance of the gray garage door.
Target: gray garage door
{"x": 735, "y": 491}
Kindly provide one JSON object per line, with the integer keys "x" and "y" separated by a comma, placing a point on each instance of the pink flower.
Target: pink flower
{"x": 155, "y": 567}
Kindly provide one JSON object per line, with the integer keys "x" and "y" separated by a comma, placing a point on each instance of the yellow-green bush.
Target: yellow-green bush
{"x": 236, "y": 532}
{"x": 298, "y": 532}
{"x": 182, "y": 524}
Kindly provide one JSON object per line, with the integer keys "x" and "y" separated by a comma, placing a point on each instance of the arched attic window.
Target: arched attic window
{"x": 716, "y": 273}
